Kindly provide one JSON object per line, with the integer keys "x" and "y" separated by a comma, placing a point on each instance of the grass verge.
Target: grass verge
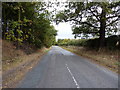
{"x": 17, "y": 62}
{"x": 18, "y": 69}
{"x": 106, "y": 58}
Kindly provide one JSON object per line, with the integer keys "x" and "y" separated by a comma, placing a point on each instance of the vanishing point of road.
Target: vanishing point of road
{"x": 60, "y": 68}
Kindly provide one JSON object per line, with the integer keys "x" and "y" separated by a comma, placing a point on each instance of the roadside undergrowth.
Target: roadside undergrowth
{"x": 16, "y": 62}
{"x": 106, "y": 58}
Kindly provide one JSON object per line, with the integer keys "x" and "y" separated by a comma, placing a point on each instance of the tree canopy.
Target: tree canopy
{"x": 96, "y": 18}
{"x": 27, "y": 22}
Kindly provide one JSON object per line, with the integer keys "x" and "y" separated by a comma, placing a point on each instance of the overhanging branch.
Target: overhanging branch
{"x": 89, "y": 24}
{"x": 94, "y": 15}
{"x": 113, "y": 21}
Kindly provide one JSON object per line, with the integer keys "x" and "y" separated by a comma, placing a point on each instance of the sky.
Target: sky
{"x": 64, "y": 28}
{"x": 64, "y": 31}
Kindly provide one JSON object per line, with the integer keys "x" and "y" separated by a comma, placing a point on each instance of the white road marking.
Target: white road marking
{"x": 72, "y": 76}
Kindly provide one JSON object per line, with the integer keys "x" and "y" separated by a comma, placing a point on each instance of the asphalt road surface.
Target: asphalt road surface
{"x": 60, "y": 68}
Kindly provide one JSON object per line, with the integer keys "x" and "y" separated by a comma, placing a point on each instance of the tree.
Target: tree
{"x": 27, "y": 22}
{"x": 98, "y": 18}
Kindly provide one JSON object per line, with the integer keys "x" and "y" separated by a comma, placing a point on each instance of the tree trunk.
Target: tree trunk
{"x": 4, "y": 27}
{"x": 102, "y": 29}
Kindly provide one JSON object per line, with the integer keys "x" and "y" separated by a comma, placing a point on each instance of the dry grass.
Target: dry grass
{"x": 17, "y": 76}
{"x": 103, "y": 57}
{"x": 12, "y": 57}
{"x": 9, "y": 51}
{"x": 18, "y": 61}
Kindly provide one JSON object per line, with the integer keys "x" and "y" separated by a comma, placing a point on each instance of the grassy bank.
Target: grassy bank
{"x": 106, "y": 58}
{"x": 16, "y": 62}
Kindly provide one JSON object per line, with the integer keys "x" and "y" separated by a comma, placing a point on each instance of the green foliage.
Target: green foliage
{"x": 27, "y": 22}
{"x": 74, "y": 42}
{"x": 110, "y": 42}
{"x": 95, "y": 18}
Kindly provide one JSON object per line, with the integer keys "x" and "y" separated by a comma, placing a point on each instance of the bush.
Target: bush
{"x": 93, "y": 43}
{"x": 110, "y": 42}
{"x": 38, "y": 43}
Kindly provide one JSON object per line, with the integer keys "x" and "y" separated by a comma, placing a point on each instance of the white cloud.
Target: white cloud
{"x": 64, "y": 31}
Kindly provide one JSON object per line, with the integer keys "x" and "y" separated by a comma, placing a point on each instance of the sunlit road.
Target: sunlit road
{"x": 62, "y": 69}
